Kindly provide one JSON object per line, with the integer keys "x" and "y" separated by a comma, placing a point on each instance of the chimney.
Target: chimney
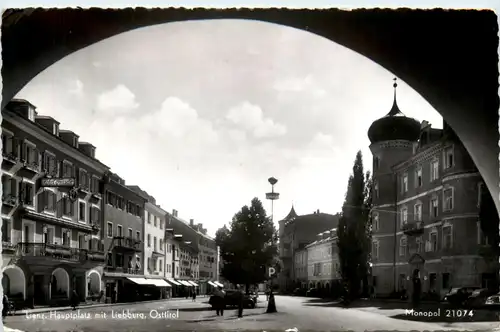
{"x": 317, "y": 211}
{"x": 69, "y": 137}
{"x": 191, "y": 222}
{"x": 174, "y": 213}
{"x": 87, "y": 149}
{"x": 200, "y": 227}
{"x": 24, "y": 108}
{"x": 204, "y": 231}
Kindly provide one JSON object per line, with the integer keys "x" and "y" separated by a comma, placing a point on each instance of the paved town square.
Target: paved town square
{"x": 293, "y": 312}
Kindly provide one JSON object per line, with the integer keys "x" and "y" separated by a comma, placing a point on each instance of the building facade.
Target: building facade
{"x": 323, "y": 265}
{"x": 301, "y": 268}
{"x": 124, "y": 240}
{"x": 52, "y": 239}
{"x": 426, "y": 209}
{"x": 295, "y": 232}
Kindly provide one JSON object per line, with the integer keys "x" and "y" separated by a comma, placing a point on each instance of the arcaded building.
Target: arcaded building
{"x": 426, "y": 208}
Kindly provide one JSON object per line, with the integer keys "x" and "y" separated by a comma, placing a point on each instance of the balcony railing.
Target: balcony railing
{"x": 8, "y": 247}
{"x": 33, "y": 166}
{"x": 413, "y": 228}
{"x": 30, "y": 249}
{"x": 10, "y": 156}
{"x": 127, "y": 242}
{"x": 121, "y": 269}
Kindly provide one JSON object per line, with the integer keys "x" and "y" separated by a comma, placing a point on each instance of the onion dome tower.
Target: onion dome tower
{"x": 392, "y": 138}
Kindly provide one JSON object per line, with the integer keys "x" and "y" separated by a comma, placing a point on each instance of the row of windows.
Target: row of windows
{"x": 119, "y": 232}
{"x": 47, "y": 162}
{"x": 448, "y": 158}
{"x": 320, "y": 253}
{"x": 47, "y": 200}
{"x": 324, "y": 269}
{"x": 432, "y": 244}
{"x": 155, "y": 220}
{"x": 156, "y": 265}
{"x": 119, "y": 202}
{"x": 448, "y": 204}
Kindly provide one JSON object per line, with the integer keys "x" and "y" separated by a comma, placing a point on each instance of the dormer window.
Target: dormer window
{"x": 55, "y": 129}
{"x": 75, "y": 142}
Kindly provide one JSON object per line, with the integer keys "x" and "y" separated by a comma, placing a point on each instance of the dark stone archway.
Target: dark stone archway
{"x": 449, "y": 57}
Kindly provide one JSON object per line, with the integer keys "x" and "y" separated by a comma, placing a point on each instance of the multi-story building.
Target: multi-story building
{"x": 208, "y": 262}
{"x": 426, "y": 208}
{"x": 323, "y": 265}
{"x": 300, "y": 267}
{"x": 155, "y": 247}
{"x": 124, "y": 241}
{"x": 296, "y": 232}
{"x": 51, "y": 210}
{"x": 204, "y": 246}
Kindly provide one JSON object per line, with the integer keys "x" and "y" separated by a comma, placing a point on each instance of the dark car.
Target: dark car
{"x": 459, "y": 295}
{"x": 478, "y": 297}
{"x": 232, "y": 297}
{"x": 299, "y": 292}
{"x": 492, "y": 302}
{"x": 312, "y": 292}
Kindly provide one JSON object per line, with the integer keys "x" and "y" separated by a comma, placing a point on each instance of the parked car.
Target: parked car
{"x": 231, "y": 300}
{"x": 312, "y": 292}
{"x": 299, "y": 292}
{"x": 478, "y": 297}
{"x": 459, "y": 295}
{"x": 492, "y": 302}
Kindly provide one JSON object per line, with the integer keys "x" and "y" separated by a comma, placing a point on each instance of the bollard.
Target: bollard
{"x": 271, "y": 304}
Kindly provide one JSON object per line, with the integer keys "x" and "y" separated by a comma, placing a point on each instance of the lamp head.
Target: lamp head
{"x": 272, "y": 181}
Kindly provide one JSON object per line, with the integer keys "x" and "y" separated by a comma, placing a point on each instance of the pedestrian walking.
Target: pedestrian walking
{"x": 219, "y": 301}
{"x": 194, "y": 295}
{"x": 240, "y": 301}
{"x": 75, "y": 301}
{"x": 6, "y": 305}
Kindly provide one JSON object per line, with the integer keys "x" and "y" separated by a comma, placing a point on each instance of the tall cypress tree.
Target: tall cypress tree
{"x": 354, "y": 229}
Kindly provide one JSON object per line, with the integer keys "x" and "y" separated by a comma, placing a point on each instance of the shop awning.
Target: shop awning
{"x": 140, "y": 281}
{"x": 159, "y": 282}
{"x": 172, "y": 281}
{"x": 185, "y": 283}
{"x": 218, "y": 284}
{"x": 212, "y": 284}
{"x": 193, "y": 283}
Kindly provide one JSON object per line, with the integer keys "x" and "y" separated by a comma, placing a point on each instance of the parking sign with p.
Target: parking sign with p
{"x": 271, "y": 271}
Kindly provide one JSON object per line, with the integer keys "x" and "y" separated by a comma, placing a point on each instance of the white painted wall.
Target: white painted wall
{"x": 152, "y": 213}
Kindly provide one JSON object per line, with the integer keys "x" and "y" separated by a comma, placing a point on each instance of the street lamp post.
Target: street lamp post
{"x": 272, "y": 196}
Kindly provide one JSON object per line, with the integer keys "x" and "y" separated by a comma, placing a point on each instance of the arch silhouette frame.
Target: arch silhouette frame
{"x": 454, "y": 66}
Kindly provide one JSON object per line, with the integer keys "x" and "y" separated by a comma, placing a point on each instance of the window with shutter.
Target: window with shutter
{"x": 51, "y": 201}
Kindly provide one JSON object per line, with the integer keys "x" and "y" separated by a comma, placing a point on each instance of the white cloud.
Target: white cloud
{"x": 77, "y": 88}
{"x": 178, "y": 119}
{"x": 237, "y": 135}
{"x": 252, "y": 119}
{"x": 118, "y": 100}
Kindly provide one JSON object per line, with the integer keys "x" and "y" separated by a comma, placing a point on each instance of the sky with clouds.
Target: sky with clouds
{"x": 200, "y": 114}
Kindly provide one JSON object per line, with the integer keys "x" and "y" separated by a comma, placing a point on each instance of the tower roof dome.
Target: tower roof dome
{"x": 394, "y": 126}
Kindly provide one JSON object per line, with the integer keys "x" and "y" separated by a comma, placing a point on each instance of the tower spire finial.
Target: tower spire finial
{"x": 395, "y": 109}
{"x": 395, "y": 85}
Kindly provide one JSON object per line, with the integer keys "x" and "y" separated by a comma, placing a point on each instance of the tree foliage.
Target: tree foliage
{"x": 354, "y": 230}
{"x": 248, "y": 246}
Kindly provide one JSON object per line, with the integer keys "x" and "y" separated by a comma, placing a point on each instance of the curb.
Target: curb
{"x": 100, "y": 305}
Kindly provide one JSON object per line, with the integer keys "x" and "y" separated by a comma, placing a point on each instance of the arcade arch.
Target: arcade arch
{"x": 14, "y": 281}
{"x": 59, "y": 284}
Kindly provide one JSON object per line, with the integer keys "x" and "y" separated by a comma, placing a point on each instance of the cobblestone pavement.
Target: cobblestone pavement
{"x": 294, "y": 312}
